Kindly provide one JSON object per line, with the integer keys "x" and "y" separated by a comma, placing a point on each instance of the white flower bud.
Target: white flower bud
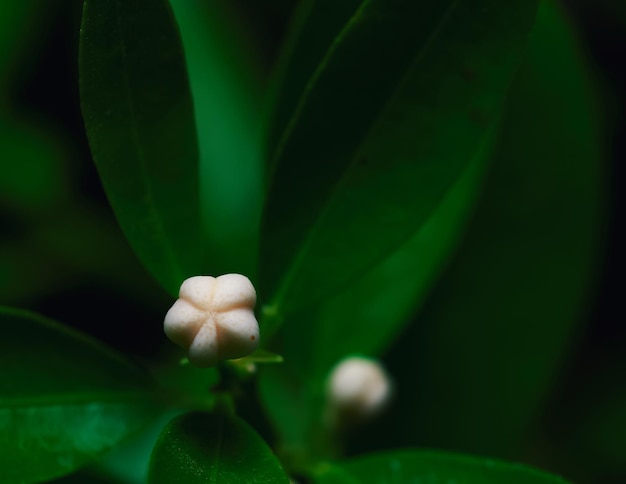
{"x": 357, "y": 388}
{"x": 214, "y": 319}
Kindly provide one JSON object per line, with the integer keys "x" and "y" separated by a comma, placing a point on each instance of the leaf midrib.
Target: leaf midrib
{"x": 302, "y": 101}
{"x": 141, "y": 158}
{"x": 310, "y": 235}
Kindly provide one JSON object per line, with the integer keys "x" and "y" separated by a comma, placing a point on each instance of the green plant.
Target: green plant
{"x": 403, "y": 138}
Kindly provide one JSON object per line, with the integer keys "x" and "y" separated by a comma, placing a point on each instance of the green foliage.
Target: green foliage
{"x": 64, "y": 398}
{"x": 499, "y": 324}
{"x": 388, "y": 121}
{"x": 139, "y": 118}
{"x": 435, "y": 468}
{"x": 206, "y": 448}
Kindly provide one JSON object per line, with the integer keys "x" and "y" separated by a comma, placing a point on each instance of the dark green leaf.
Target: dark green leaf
{"x": 294, "y": 409}
{"x": 204, "y": 448}
{"x": 315, "y": 26}
{"x": 33, "y": 175}
{"x": 405, "y": 466}
{"x": 64, "y": 399}
{"x": 492, "y": 337}
{"x": 226, "y": 82}
{"x": 366, "y": 317}
{"x": 389, "y": 120}
{"x": 139, "y": 117}
{"x": 587, "y": 424}
{"x": 362, "y": 319}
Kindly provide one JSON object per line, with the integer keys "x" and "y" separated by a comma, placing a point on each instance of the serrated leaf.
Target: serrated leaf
{"x": 403, "y": 466}
{"x": 389, "y": 120}
{"x": 139, "y": 118}
{"x": 204, "y": 448}
{"x": 64, "y": 398}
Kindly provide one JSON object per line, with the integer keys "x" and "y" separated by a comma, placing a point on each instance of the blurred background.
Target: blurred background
{"x": 63, "y": 255}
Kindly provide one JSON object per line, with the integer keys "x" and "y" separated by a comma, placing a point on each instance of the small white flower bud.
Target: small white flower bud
{"x": 357, "y": 388}
{"x": 214, "y": 319}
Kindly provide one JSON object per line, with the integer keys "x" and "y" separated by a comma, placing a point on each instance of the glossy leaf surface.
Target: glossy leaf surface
{"x": 503, "y": 317}
{"x": 226, "y": 81}
{"x": 139, "y": 118}
{"x": 205, "y": 448}
{"x": 64, "y": 399}
{"x": 389, "y": 120}
{"x": 441, "y": 468}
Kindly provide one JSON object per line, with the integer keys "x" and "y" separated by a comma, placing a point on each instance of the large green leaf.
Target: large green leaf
{"x": 404, "y": 466}
{"x": 491, "y": 340}
{"x": 205, "y": 448}
{"x": 366, "y": 317}
{"x": 138, "y": 113}
{"x": 389, "y": 120}
{"x": 226, "y": 81}
{"x": 64, "y": 398}
{"x": 362, "y": 319}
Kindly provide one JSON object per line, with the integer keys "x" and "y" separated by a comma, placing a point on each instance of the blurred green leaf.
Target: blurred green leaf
{"x": 61, "y": 251}
{"x": 586, "y": 427}
{"x": 389, "y": 120}
{"x": 226, "y": 81}
{"x": 303, "y": 50}
{"x": 200, "y": 447}
{"x": 490, "y": 343}
{"x": 33, "y": 174}
{"x": 64, "y": 398}
{"x": 139, "y": 118}
{"x": 293, "y": 406}
{"x": 366, "y": 317}
{"x": 19, "y": 26}
{"x": 404, "y": 466}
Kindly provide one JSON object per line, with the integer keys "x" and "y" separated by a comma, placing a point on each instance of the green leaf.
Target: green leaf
{"x": 389, "y": 120}
{"x": 305, "y": 47}
{"x": 226, "y": 81}
{"x": 139, "y": 118}
{"x": 397, "y": 467}
{"x": 588, "y": 421}
{"x": 64, "y": 398}
{"x": 205, "y": 448}
{"x": 490, "y": 342}
{"x": 366, "y": 317}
